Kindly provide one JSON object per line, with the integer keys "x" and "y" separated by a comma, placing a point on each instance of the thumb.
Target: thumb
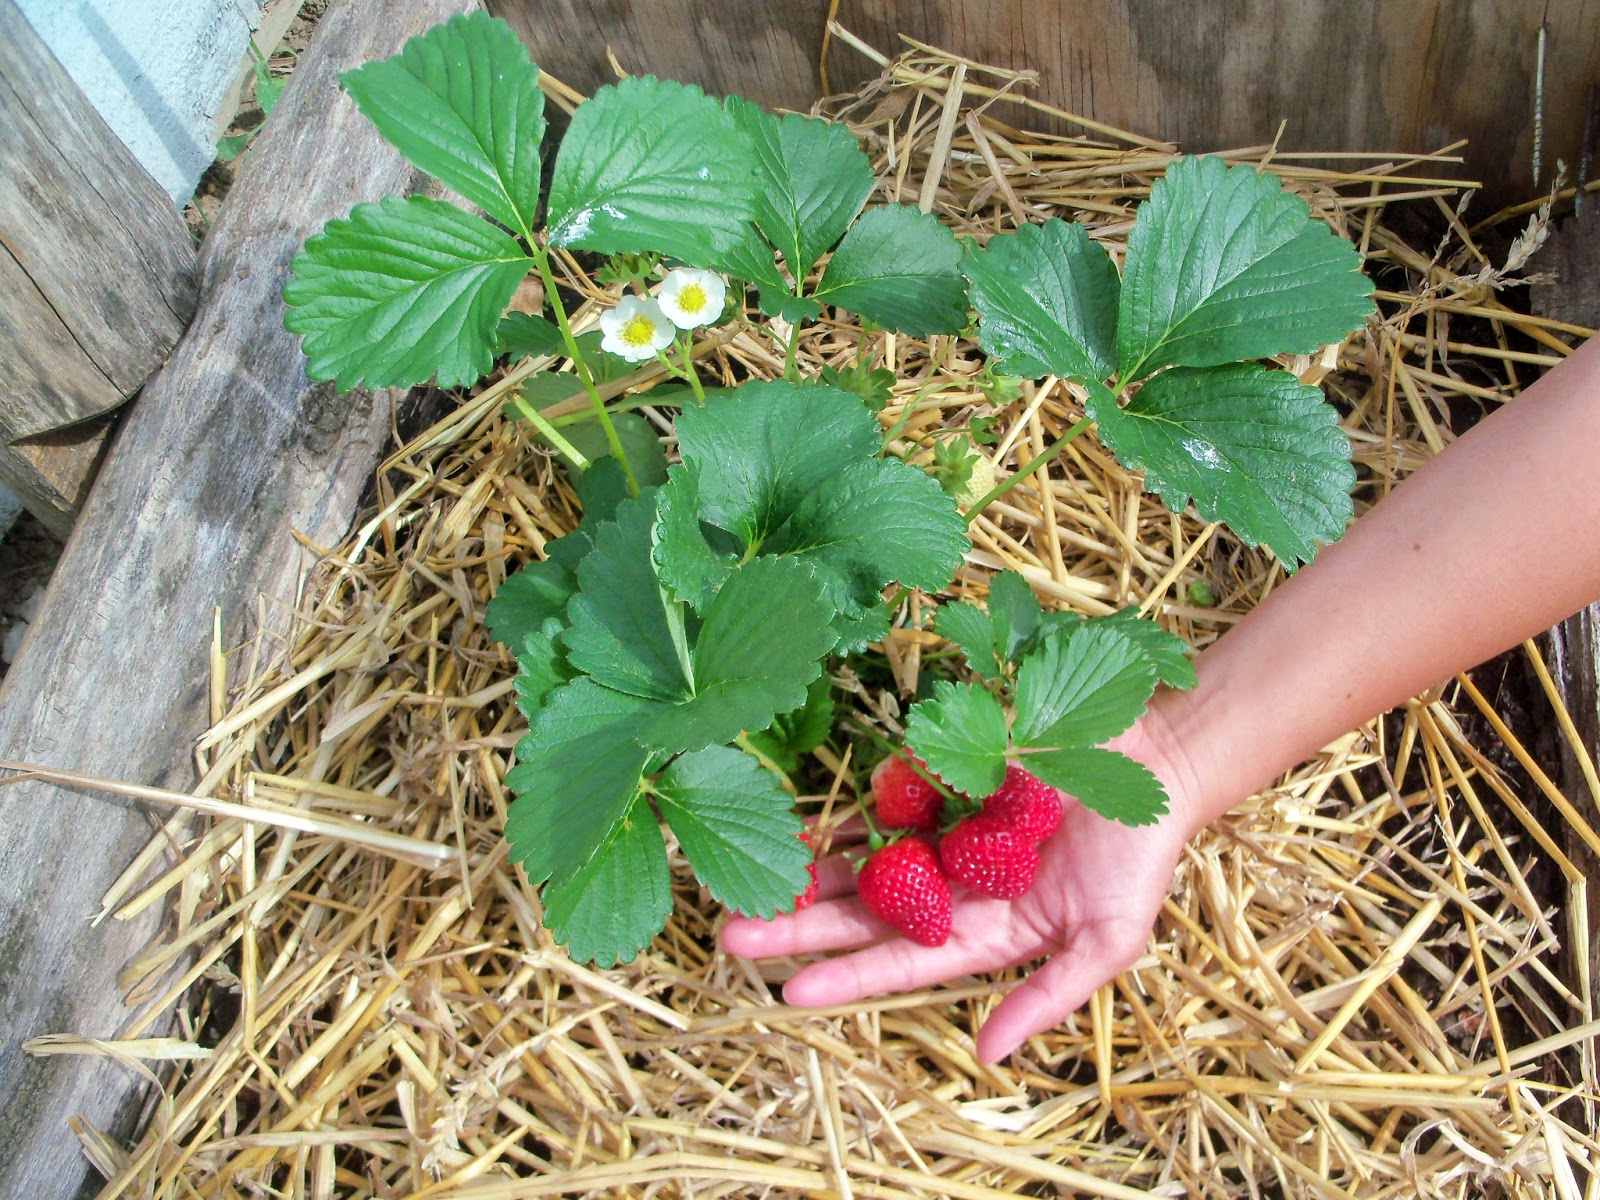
{"x": 1052, "y": 993}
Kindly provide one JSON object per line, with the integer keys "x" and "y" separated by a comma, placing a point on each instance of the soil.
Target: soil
{"x": 28, "y": 555}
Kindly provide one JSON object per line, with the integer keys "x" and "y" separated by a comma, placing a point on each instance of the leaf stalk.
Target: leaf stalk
{"x": 1035, "y": 464}
{"x": 541, "y": 259}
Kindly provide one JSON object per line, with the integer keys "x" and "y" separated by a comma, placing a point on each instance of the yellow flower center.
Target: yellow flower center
{"x": 638, "y": 331}
{"x": 692, "y": 298}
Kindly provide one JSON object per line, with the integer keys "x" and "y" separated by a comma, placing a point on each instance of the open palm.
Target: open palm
{"x": 1090, "y": 910}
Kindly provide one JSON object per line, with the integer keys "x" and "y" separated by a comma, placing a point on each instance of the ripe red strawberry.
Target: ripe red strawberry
{"x": 904, "y": 799}
{"x": 903, "y": 885}
{"x": 990, "y": 855}
{"x": 808, "y": 897}
{"x": 1029, "y": 804}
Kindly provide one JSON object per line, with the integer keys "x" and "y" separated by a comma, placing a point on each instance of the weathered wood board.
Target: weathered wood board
{"x": 227, "y": 450}
{"x": 96, "y": 271}
{"x": 1409, "y": 75}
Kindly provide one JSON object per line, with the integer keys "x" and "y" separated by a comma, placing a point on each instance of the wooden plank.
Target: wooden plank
{"x": 228, "y": 449}
{"x": 104, "y": 249}
{"x": 96, "y": 275}
{"x": 52, "y": 473}
{"x": 1379, "y": 75}
{"x": 767, "y": 52}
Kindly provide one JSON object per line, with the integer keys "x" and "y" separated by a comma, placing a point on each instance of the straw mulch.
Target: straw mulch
{"x": 1354, "y": 990}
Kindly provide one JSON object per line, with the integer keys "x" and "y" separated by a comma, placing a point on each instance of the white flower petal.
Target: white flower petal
{"x": 636, "y": 329}
{"x": 691, "y": 298}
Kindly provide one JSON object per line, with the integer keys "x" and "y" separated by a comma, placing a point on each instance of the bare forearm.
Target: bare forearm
{"x": 1494, "y": 540}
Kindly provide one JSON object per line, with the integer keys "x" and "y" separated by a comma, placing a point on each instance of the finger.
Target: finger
{"x": 836, "y": 877}
{"x": 828, "y": 925}
{"x": 1050, "y": 994}
{"x": 898, "y": 964}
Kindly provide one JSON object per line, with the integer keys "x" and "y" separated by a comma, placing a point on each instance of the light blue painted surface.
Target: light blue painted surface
{"x": 10, "y": 510}
{"x": 156, "y": 70}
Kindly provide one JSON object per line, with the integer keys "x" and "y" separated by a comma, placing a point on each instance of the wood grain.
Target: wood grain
{"x": 97, "y": 268}
{"x": 1379, "y": 75}
{"x": 228, "y": 450}
{"x": 767, "y": 52}
{"x": 52, "y": 473}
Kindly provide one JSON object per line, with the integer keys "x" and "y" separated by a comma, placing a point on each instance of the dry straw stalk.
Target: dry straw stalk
{"x": 1353, "y": 991}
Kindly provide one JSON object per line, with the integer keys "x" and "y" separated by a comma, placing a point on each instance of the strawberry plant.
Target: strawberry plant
{"x": 672, "y": 649}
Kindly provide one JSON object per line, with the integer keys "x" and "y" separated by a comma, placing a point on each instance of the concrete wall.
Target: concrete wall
{"x": 158, "y": 71}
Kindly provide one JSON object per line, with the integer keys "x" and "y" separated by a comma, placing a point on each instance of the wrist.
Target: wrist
{"x": 1168, "y": 741}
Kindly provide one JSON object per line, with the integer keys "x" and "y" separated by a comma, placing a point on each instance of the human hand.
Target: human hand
{"x": 1093, "y": 902}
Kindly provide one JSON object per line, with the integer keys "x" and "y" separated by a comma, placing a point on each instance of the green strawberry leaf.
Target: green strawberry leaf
{"x": 1046, "y": 298}
{"x": 792, "y": 471}
{"x": 402, "y": 292}
{"x": 651, "y": 165}
{"x": 761, "y": 449}
{"x": 857, "y": 627}
{"x": 526, "y": 600}
{"x": 640, "y": 442}
{"x": 738, "y": 829}
{"x": 900, "y": 268}
{"x": 813, "y": 179}
{"x": 1016, "y": 613}
{"x": 875, "y": 385}
{"x": 624, "y": 631}
{"x": 972, "y": 629}
{"x": 1110, "y": 783}
{"x": 462, "y": 102}
{"x": 961, "y": 734}
{"x": 612, "y": 906}
{"x": 758, "y": 650}
{"x": 688, "y": 565}
{"x": 878, "y": 520}
{"x": 1167, "y": 653}
{"x": 543, "y": 390}
{"x": 269, "y": 88}
{"x": 1253, "y": 447}
{"x": 1081, "y": 690}
{"x": 799, "y": 732}
{"x": 752, "y": 259}
{"x": 235, "y": 144}
{"x": 999, "y": 636}
{"x": 1224, "y": 265}
{"x": 541, "y": 667}
{"x": 577, "y": 771}
{"x": 602, "y": 489}
{"x": 523, "y": 335}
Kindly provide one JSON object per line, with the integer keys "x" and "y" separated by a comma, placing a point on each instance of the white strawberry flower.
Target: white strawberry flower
{"x": 636, "y": 329}
{"x": 692, "y": 298}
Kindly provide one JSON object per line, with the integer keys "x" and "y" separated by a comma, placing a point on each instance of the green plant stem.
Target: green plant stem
{"x": 791, "y": 370}
{"x": 744, "y": 743}
{"x": 1040, "y": 460}
{"x": 541, "y": 259}
{"x": 932, "y": 387}
{"x": 549, "y": 433}
{"x": 684, "y": 372}
{"x": 689, "y": 372}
